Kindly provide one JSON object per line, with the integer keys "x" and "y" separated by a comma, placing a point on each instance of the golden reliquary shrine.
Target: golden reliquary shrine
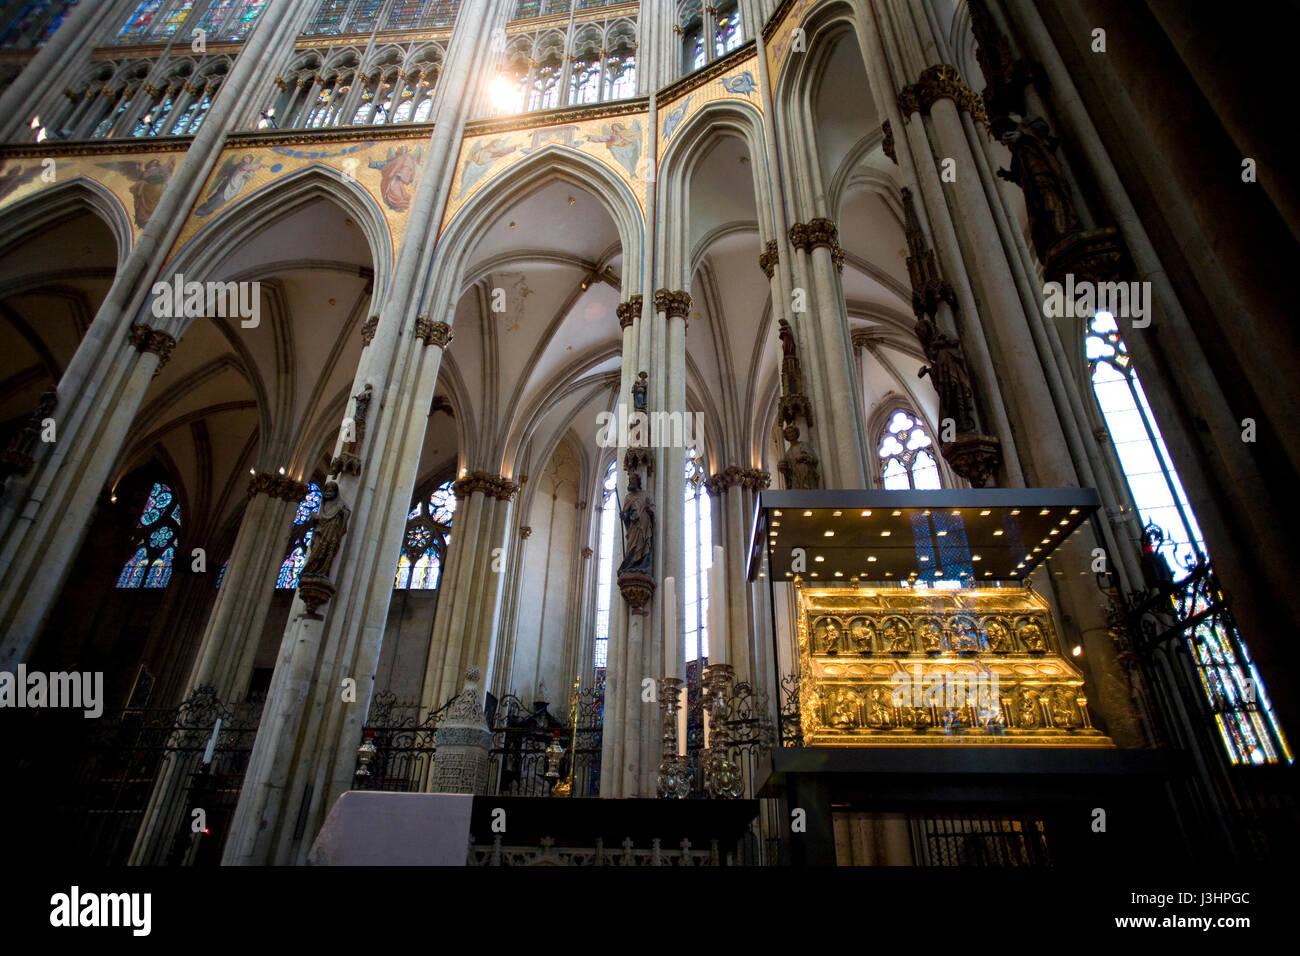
{"x": 914, "y": 618}
{"x": 902, "y": 665}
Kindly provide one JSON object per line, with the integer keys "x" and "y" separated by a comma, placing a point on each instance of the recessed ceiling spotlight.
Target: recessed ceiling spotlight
{"x": 998, "y": 533}
{"x": 985, "y": 513}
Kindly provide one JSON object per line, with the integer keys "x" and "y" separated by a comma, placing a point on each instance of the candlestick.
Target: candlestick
{"x": 717, "y": 609}
{"x": 681, "y": 720}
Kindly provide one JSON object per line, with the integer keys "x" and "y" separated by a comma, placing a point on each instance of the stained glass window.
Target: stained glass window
{"x": 300, "y": 540}
{"x": 328, "y": 17}
{"x": 26, "y": 25}
{"x": 150, "y": 566}
{"x": 584, "y": 81}
{"x": 545, "y": 94}
{"x": 620, "y": 75}
{"x": 727, "y": 35}
{"x": 1232, "y": 685}
{"x": 906, "y": 454}
{"x": 140, "y": 22}
{"x": 699, "y": 558}
{"x": 428, "y": 534}
{"x": 605, "y": 562}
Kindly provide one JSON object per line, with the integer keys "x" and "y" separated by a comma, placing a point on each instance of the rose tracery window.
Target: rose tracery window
{"x": 155, "y": 541}
{"x": 906, "y": 454}
{"x": 424, "y": 546}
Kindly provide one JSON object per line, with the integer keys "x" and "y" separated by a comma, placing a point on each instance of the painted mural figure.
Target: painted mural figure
{"x": 674, "y": 119}
{"x": 480, "y": 158}
{"x": 397, "y": 174}
{"x": 639, "y": 521}
{"x": 230, "y": 182}
{"x": 149, "y": 182}
{"x": 743, "y": 84}
{"x": 15, "y": 176}
{"x": 623, "y": 141}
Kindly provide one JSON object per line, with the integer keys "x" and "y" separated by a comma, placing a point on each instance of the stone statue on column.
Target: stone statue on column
{"x": 327, "y": 526}
{"x": 800, "y": 467}
{"x": 638, "y": 517}
{"x": 972, "y": 454}
{"x": 947, "y": 370}
{"x": 1035, "y": 170}
{"x": 791, "y": 370}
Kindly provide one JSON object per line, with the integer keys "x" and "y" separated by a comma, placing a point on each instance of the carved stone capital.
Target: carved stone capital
{"x": 368, "y": 328}
{"x": 348, "y": 463}
{"x": 675, "y": 303}
{"x": 629, "y": 311}
{"x": 637, "y": 459}
{"x": 937, "y": 82}
{"x": 498, "y": 486}
{"x": 734, "y": 476}
{"x": 146, "y": 339}
{"x": 768, "y": 258}
{"x": 315, "y": 590}
{"x": 1095, "y": 255}
{"x": 276, "y": 486}
{"x": 868, "y": 339}
{"x": 974, "y": 457}
{"x": 809, "y": 235}
{"x": 792, "y": 407}
{"x": 637, "y": 590}
{"x": 432, "y": 333}
{"x": 587, "y": 553}
{"x": 525, "y": 531}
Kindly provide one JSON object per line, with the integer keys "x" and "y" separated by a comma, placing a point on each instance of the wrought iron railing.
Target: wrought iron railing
{"x": 1211, "y": 703}
{"x": 97, "y": 782}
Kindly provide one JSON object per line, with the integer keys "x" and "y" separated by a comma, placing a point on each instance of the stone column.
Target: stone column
{"x": 817, "y": 246}
{"x": 234, "y": 628}
{"x": 55, "y": 66}
{"x": 735, "y": 494}
{"x": 42, "y": 524}
{"x": 305, "y": 752}
{"x": 230, "y": 638}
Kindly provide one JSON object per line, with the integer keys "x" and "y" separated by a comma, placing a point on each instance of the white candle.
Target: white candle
{"x": 670, "y": 628}
{"x": 717, "y": 608}
{"x": 706, "y": 728}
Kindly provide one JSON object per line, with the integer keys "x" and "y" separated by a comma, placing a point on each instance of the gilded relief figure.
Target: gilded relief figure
{"x": 931, "y": 637}
{"x": 1027, "y": 713}
{"x": 879, "y": 712}
{"x": 844, "y": 717}
{"x": 1063, "y": 708}
{"x": 862, "y": 633}
{"x": 999, "y": 636}
{"x": 898, "y": 637}
{"x": 1033, "y": 637}
{"x": 831, "y": 638}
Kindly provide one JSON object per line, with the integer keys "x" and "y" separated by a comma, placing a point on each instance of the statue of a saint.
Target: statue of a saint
{"x": 1035, "y": 170}
{"x": 638, "y": 517}
{"x": 947, "y": 370}
{"x": 791, "y": 370}
{"x": 800, "y": 466}
{"x": 639, "y": 388}
{"x": 328, "y": 527}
